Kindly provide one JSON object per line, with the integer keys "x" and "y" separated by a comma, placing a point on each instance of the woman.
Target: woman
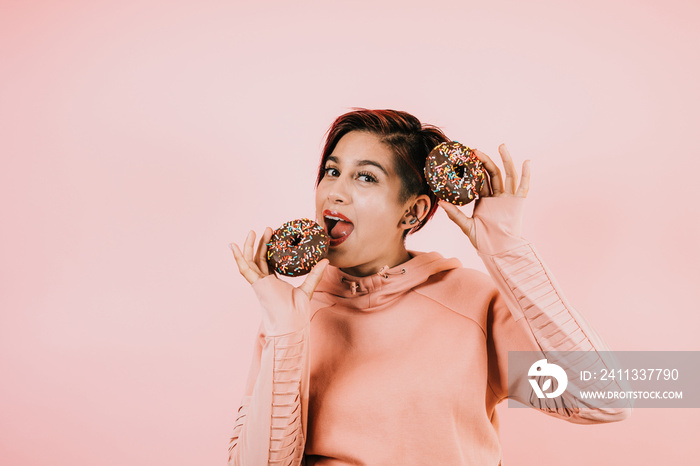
{"x": 390, "y": 356}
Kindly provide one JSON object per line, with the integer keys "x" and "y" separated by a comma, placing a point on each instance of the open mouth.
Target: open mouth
{"x": 338, "y": 227}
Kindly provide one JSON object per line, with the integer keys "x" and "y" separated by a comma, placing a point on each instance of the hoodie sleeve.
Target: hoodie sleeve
{"x": 270, "y": 426}
{"x": 530, "y": 313}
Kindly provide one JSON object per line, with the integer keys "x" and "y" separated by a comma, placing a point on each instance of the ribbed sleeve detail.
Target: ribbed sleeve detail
{"x": 286, "y": 433}
{"x": 550, "y": 325}
{"x": 278, "y": 439}
{"x": 530, "y": 291}
{"x": 237, "y": 427}
{"x": 270, "y": 427}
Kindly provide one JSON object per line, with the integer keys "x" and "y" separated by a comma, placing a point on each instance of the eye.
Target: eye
{"x": 331, "y": 171}
{"x": 368, "y": 177}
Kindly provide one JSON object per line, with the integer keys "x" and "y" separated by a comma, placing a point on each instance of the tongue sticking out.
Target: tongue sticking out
{"x": 341, "y": 229}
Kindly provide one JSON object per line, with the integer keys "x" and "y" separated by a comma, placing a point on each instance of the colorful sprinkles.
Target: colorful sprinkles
{"x": 297, "y": 246}
{"x": 454, "y": 173}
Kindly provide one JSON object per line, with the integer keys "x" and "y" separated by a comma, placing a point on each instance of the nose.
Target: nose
{"x": 336, "y": 197}
{"x": 338, "y": 194}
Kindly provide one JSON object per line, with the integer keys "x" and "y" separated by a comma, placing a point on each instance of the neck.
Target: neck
{"x": 370, "y": 268}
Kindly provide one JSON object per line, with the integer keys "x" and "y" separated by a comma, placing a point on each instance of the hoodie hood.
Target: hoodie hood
{"x": 377, "y": 290}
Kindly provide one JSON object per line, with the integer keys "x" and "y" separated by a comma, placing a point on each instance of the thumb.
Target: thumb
{"x": 466, "y": 224}
{"x": 314, "y": 278}
{"x": 457, "y": 216}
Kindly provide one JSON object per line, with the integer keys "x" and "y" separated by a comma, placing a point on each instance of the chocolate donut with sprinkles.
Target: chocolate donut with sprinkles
{"x": 454, "y": 173}
{"x": 296, "y": 247}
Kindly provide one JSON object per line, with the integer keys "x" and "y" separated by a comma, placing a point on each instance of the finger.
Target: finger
{"x": 243, "y": 267}
{"x": 313, "y": 278}
{"x": 524, "y": 180}
{"x": 494, "y": 172}
{"x": 509, "y": 166}
{"x": 485, "y": 188}
{"x": 248, "y": 246}
{"x": 457, "y": 216}
{"x": 248, "y": 252}
{"x": 261, "y": 256}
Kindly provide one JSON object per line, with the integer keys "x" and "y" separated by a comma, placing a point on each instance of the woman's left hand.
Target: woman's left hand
{"x": 494, "y": 186}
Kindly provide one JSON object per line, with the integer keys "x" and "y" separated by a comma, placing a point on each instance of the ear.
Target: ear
{"x": 415, "y": 211}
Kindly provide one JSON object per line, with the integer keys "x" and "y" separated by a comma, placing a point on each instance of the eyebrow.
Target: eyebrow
{"x": 361, "y": 163}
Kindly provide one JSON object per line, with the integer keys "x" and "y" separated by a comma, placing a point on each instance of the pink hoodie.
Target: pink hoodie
{"x": 406, "y": 366}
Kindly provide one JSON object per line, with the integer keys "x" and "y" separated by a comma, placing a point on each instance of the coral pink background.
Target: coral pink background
{"x": 139, "y": 138}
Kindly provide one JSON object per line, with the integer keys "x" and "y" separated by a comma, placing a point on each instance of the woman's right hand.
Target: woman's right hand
{"x": 253, "y": 267}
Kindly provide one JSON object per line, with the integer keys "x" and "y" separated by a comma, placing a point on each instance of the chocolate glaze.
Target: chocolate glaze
{"x": 296, "y": 247}
{"x": 454, "y": 173}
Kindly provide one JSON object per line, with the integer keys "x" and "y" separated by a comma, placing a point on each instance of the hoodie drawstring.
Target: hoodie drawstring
{"x": 383, "y": 272}
{"x": 353, "y": 285}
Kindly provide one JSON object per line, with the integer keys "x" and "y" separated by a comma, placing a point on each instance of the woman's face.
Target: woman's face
{"x": 357, "y": 203}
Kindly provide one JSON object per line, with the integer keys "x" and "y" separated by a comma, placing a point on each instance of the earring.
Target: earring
{"x": 413, "y": 221}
